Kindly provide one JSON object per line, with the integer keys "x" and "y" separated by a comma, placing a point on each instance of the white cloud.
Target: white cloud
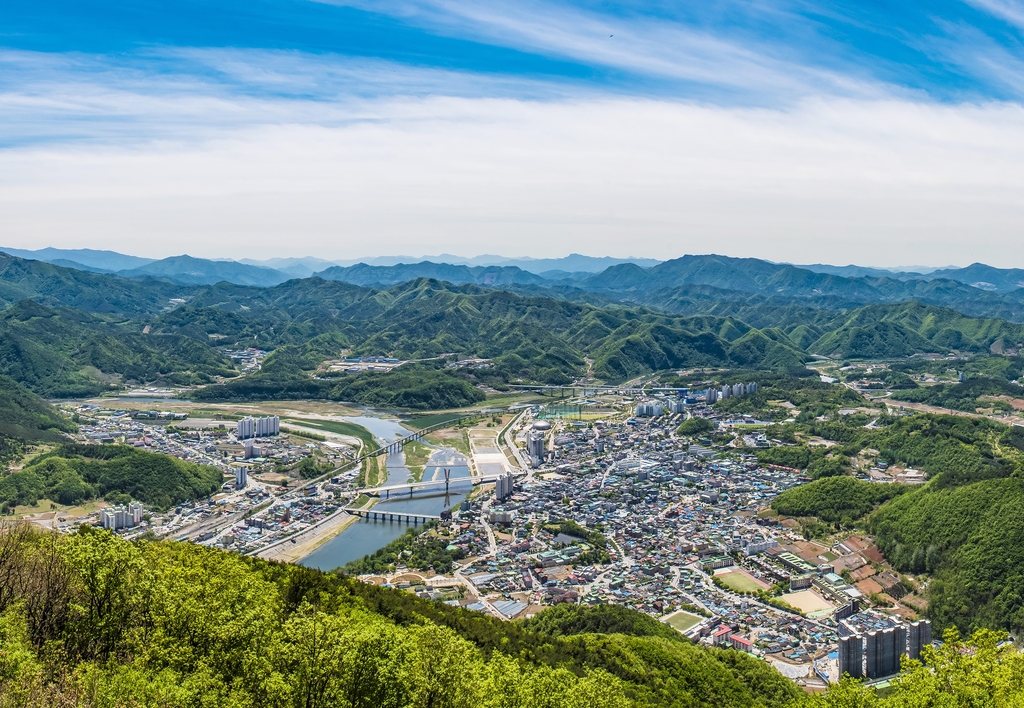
{"x": 827, "y": 180}
{"x": 738, "y": 68}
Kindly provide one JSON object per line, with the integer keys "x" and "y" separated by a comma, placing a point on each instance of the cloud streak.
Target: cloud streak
{"x": 830, "y": 180}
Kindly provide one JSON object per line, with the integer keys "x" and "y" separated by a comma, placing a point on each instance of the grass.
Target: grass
{"x": 342, "y": 427}
{"x": 683, "y": 620}
{"x": 416, "y": 456}
{"x": 425, "y": 421}
{"x": 741, "y": 582}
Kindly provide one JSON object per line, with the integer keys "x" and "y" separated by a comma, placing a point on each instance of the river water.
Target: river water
{"x": 366, "y": 536}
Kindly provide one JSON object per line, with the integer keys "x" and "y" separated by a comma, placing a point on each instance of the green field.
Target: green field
{"x": 683, "y": 620}
{"x": 741, "y": 582}
{"x": 416, "y": 456}
{"x": 425, "y": 421}
{"x": 340, "y": 427}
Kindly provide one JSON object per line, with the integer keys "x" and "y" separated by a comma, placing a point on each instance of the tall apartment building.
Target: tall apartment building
{"x": 503, "y": 487}
{"x": 535, "y": 448}
{"x": 920, "y": 636}
{"x": 649, "y": 409}
{"x": 851, "y": 656}
{"x": 122, "y": 517}
{"x": 241, "y": 477}
{"x": 258, "y": 427}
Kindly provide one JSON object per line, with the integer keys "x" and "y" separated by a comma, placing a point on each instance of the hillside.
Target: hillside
{"x": 200, "y": 271}
{"x": 63, "y": 351}
{"x": 362, "y": 274}
{"x": 962, "y": 526}
{"x": 74, "y": 473}
{"x": 55, "y": 286}
{"x": 71, "y": 353}
{"x": 181, "y": 625}
{"x": 25, "y": 418}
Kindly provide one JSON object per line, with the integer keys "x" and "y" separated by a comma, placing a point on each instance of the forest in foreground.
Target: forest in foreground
{"x": 91, "y": 620}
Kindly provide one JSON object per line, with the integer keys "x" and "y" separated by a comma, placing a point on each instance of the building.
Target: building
{"x": 711, "y": 396}
{"x": 503, "y": 487}
{"x": 251, "y": 450}
{"x": 241, "y": 477}
{"x": 649, "y": 409}
{"x": 258, "y": 427}
{"x": 871, "y": 654}
{"x": 851, "y": 656}
{"x": 535, "y": 448}
{"x": 760, "y": 546}
{"x": 882, "y": 652}
{"x": 121, "y": 517}
{"x": 920, "y": 636}
{"x": 800, "y": 582}
{"x": 677, "y": 405}
{"x": 741, "y": 643}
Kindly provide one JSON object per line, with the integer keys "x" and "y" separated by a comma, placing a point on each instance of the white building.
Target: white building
{"x": 258, "y": 427}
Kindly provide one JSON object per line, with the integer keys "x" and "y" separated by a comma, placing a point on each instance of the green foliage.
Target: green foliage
{"x": 962, "y": 396}
{"x": 177, "y": 625}
{"x": 954, "y": 449}
{"x": 419, "y": 547}
{"x": 961, "y": 526}
{"x": 968, "y": 536}
{"x": 72, "y": 474}
{"x": 983, "y": 671}
{"x": 412, "y": 387}
{"x": 835, "y": 499}
{"x": 69, "y": 353}
{"x": 567, "y": 620}
{"x": 25, "y": 418}
{"x": 695, "y": 426}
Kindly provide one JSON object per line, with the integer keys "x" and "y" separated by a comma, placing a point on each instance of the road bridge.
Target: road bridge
{"x": 432, "y": 484}
{"x": 378, "y": 515}
{"x": 400, "y": 443}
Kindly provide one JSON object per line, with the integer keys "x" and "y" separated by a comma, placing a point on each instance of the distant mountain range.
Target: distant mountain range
{"x": 686, "y": 285}
{"x": 187, "y": 270}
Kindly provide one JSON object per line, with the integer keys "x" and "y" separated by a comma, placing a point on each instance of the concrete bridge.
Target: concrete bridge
{"x": 392, "y": 515}
{"x": 398, "y": 489}
{"x": 400, "y": 443}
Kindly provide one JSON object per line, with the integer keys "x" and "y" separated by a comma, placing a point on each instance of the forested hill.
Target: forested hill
{"x": 82, "y": 333}
{"x": 963, "y": 527}
{"x": 25, "y": 418}
{"x": 90, "y": 619}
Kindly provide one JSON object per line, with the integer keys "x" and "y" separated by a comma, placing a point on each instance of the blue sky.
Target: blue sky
{"x": 876, "y": 132}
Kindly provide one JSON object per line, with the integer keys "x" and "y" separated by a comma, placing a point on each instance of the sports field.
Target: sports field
{"x": 807, "y": 601}
{"x": 683, "y": 620}
{"x": 741, "y": 581}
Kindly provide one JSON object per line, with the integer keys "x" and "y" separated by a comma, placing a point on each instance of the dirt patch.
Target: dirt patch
{"x": 807, "y": 601}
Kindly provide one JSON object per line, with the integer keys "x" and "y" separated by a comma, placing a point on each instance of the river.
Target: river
{"x": 366, "y": 536}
